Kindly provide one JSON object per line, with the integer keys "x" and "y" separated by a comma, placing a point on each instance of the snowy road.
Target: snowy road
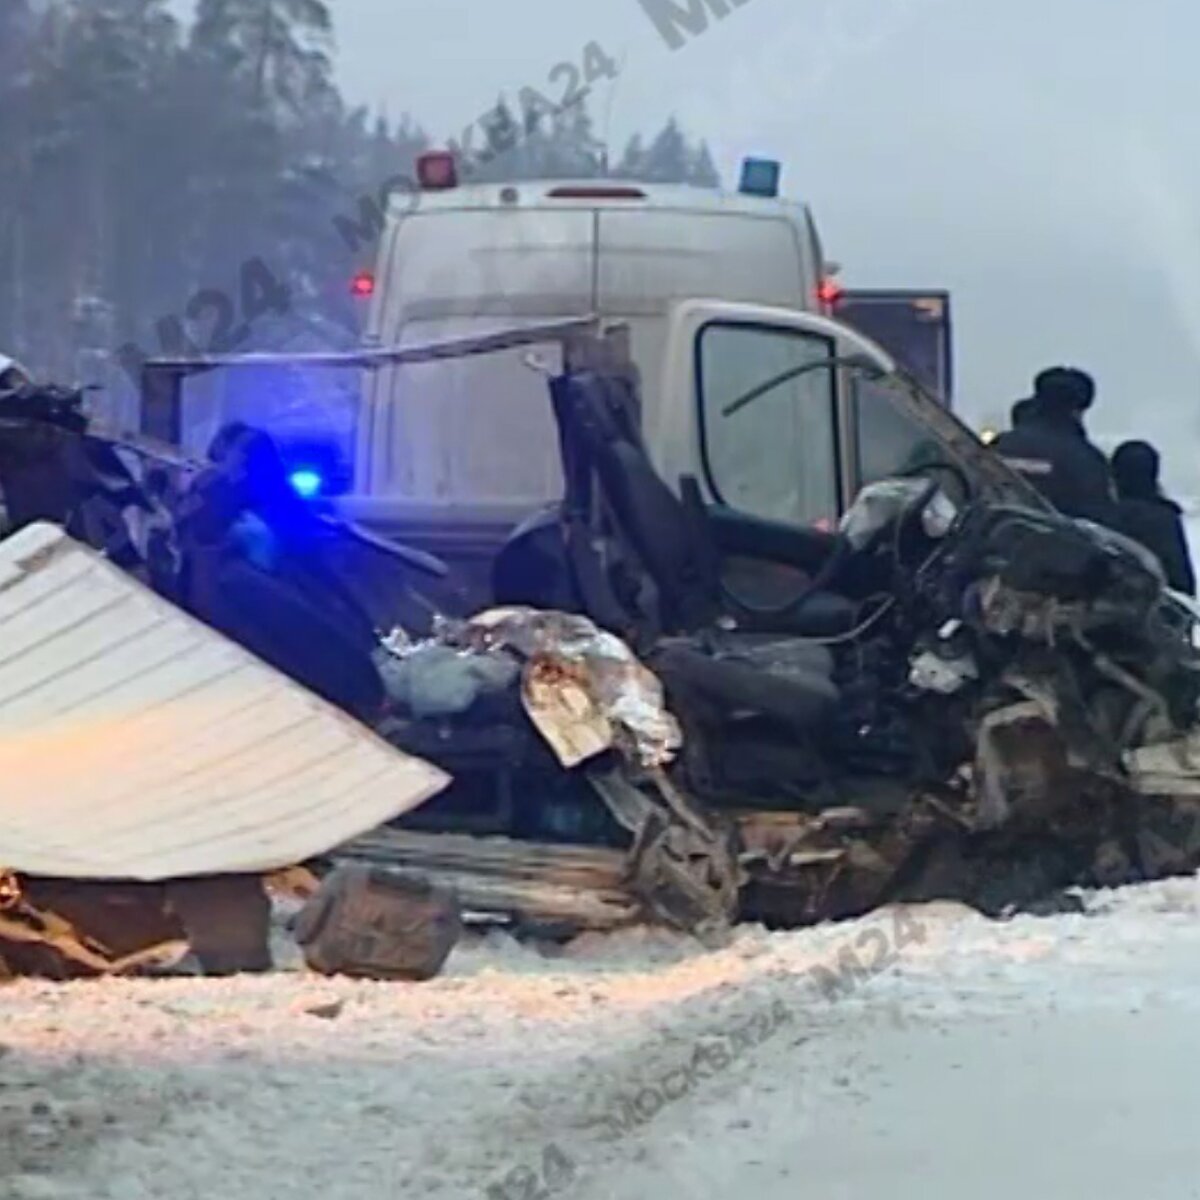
{"x": 1051, "y": 1057}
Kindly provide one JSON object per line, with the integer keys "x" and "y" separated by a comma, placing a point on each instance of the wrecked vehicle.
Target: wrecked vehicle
{"x": 675, "y": 708}
{"x": 97, "y": 527}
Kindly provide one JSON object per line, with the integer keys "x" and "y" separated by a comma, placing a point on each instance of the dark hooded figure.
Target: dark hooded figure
{"x": 1149, "y": 517}
{"x": 256, "y": 569}
{"x": 1051, "y": 449}
{"x": 1021, "y": 412}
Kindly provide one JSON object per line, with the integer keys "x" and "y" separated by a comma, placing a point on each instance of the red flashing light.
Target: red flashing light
{"x": 363, "y": 284}
{"x": 436, "y": 171}
{"x": 829, "y": 292}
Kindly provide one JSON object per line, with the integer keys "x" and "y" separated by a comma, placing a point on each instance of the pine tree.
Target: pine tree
{"x": 16, "y": 33}
{"x": 667, "y": 159}
{"x": 703, "y": 170}
{"x": 499, "y": 158}
{"x": 574, "y": 151}
{"x": 145, "y": 164}
{"x": 275, "y": 51}
{"x": 17, "y": 52}
{"x": 633, "y": 161}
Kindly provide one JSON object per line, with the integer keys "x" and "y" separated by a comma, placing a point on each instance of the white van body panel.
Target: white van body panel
{"x": 478, "y": 435}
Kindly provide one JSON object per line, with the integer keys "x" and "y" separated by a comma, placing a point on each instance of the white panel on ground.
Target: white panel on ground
{"x": 136, "y": 743}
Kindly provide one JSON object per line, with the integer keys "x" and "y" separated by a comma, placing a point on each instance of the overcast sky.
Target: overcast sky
{"x": 1037, "y": 157}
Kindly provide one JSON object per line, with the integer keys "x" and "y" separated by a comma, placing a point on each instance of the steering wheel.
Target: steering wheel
{"x": 944, "y": 464}
{"x": 914, "y": 508}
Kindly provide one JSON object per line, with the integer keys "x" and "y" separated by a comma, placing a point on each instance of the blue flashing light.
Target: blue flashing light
{"x": 760, "y": 177}
{"x": 307, "y": 482}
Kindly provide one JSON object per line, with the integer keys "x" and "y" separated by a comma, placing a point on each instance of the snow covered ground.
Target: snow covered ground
{"x": 1054, "y": 1057}
{"x": 925, "y": 1054}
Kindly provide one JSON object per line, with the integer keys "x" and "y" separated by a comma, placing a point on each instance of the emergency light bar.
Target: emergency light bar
{"x": 307, "y": 482}
{"x": 436, "y": 171}
{"x": 316, "y": 467}
{"x": 760, "y": 177}
{"x": 829, "y": 291}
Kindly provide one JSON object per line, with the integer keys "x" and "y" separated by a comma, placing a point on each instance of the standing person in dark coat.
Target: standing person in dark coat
{"x": 1149, "y": 517}
{"x": 1021, "y": 412}
{"x": 1050, "y": 447}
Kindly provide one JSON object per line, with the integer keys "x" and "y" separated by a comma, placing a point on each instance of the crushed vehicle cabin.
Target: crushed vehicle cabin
{"x": 676, "y": 707}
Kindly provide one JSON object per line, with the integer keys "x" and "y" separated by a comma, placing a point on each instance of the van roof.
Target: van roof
{"x": 539, "y": 193}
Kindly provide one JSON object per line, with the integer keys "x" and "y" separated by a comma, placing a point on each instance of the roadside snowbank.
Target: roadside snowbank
{"x": 964, "y": 1055}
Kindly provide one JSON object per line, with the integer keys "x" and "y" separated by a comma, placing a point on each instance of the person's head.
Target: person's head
{"x": 13, "y": 376}
{"x": 1135, "y": 467}
{"x": 226, "y": 439}
{"x": 1021, "y": 412}
{"x": 1064, "y": 391}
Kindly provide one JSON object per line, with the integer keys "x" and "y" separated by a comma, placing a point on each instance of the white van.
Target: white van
{"x": 473, "y": 441}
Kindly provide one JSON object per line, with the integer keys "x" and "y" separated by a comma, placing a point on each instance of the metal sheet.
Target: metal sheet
{"x": 136, "y": 743}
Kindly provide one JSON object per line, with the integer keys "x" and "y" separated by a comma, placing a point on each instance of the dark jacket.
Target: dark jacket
{"x": 1052, "y": 451}
{"x": 1147, "y": 516}
{"x": 1157, "y": 523}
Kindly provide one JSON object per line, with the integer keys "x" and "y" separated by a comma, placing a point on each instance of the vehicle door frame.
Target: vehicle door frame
{"x": 679, "y": 444}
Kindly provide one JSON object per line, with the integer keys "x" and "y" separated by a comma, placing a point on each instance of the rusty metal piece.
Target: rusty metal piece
{"x": 686, "y": 880}
{"x": 683, "y": 868}
{"x": 1006, "y": 766}
{"x": 295, "y": 883}
{"x": 24, "y": 924}
{"x": 370, "y": 922}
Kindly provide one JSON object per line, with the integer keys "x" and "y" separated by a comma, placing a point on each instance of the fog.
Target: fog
{"x": 1035, "y": 158}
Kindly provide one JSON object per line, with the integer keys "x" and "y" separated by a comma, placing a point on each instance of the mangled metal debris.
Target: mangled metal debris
{"x": 588, "y": 697}
{"x": 153, "y": 771}
{"x": 583, "y": 688}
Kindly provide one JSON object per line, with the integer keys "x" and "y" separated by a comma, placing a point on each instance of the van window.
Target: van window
{"x": 889, "y": 440}
{"x": 775, "y": 457}
{"x": 646, "y": 258}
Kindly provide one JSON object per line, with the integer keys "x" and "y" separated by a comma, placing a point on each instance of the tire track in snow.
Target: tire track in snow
{"x": 613, "y": 1104}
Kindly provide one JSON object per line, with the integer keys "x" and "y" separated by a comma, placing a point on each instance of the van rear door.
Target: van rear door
{"x": 649, "y": 259}
{"x": 471, "y": 431}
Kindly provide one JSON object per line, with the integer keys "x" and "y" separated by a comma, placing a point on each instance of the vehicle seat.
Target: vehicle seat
{"x": 669, "y": 537}
{"x": 741, "y": 674}
{"x": 707, "y": 660}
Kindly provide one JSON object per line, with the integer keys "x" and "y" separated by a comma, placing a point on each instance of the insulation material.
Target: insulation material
{"x": 138, "y": 744}
{"x": 583, "y": 688}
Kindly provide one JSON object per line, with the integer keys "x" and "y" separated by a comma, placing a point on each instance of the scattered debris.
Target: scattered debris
{"x": 368, "y": 921}
{"x": 584, "y": 689}
{"x": 326, "y": 1011}
{"x": 969, "y": 697}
